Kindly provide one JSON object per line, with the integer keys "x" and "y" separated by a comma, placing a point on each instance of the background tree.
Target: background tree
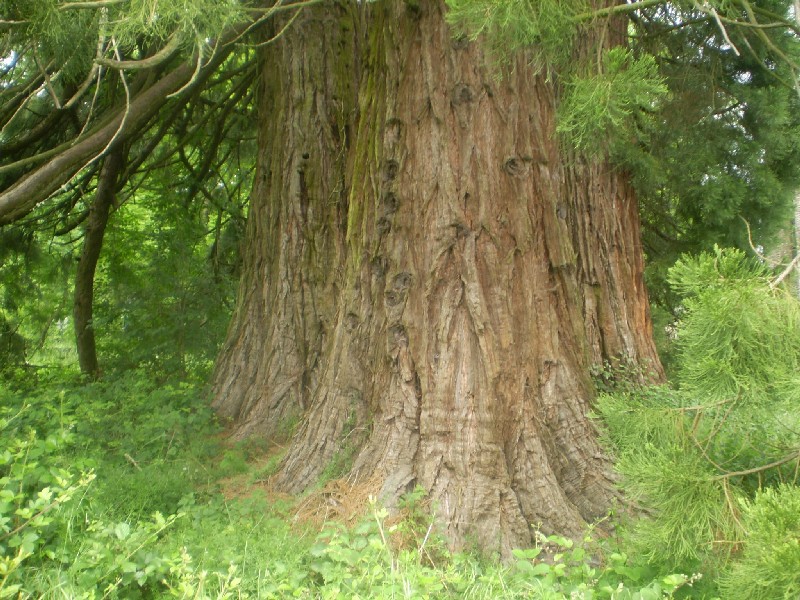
{"x": 110, "y": 77}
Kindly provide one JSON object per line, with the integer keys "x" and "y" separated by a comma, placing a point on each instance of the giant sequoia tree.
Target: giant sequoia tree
{"x": 429, "y": 276}
{"x": 443, "y": 238}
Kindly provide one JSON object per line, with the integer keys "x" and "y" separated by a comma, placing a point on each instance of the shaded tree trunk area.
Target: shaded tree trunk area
{"x": 96, "y": 222}
{"x": 797, "y": 239}
{"x": 429, "y": 277}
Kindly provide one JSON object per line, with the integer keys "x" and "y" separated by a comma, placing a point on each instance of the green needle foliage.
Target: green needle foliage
{"x": 512, "y": 25}
{"x": 700, "y": 106}
{"x": 714, "y": 461}
{"x": 769, "y": 566}
{"x": 740, "y": 337}
{"x": 601, "y": 106}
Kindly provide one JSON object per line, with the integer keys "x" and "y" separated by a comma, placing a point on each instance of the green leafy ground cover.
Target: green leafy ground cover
{"x": 117, "y": 489}
{"x": 113, "y": 490}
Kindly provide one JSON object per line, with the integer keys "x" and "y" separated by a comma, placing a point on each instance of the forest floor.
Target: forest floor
{"x": 129, "y": 488}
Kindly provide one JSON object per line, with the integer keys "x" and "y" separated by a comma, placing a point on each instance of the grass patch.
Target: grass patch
{"x": 125, "y": 489}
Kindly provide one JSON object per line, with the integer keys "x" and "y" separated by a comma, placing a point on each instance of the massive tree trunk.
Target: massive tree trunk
{"x": 429, "y": 277}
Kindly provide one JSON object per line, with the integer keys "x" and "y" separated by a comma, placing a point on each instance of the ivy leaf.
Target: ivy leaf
{"x": 122, "y": 530}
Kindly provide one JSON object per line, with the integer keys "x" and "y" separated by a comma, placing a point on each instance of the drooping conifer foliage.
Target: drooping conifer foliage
{"x": 714, "y": 459}
{"x": 154, "y": 86}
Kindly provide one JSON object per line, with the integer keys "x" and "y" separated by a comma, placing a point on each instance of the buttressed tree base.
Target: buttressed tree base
{"x": 429, "y": 275}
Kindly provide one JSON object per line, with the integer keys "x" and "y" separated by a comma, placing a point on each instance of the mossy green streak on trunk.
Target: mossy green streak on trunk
{"x": 466, "y": 276}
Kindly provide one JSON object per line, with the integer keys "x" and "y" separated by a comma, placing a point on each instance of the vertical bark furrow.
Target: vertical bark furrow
{"x": 269, "y": 366}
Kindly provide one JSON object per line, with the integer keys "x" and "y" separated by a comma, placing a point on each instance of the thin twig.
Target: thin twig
{"x": 282, "y": 31}
{"x": 795, "y": 262}
{"x": 718, "y": 427}
{"x": 121, "y": 123}
{"x": 617, "y": 10}
{"x": 696, "y": 442}
{"x": 173, "y": 43}
{"x": 93, "y": 103}
{"x": 731, "y": 505}
{"x": 722, "y": 29}
{"x": 92, "y": 4}
{"x": 280, "y": 6}
{"x": 131, "y": 460}
{"x": 198, "y": 67}
{"x": 47, "y": 84}
{"x": 750, "y": 241}
{"x": 760, "y": 469}
{"x": 19, "y": 109}
{"x": 94, "y": 72}
{"x": 765, "y": 38}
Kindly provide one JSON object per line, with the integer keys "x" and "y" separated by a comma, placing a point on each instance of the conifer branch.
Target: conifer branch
{"x": 619, "y": 9}
{"x": 280, "y": 6}
{"x": 758, "y": 252}
{"x": 22, "y": 102}
{"x": 90, "y": 4}
{"x": 122, "y": 123}
{"x": 47, "y": 80}
{"x": 761, "y": 469}
{"x": 173, "y": 43}
{"x": 785, "y": 273}
{"x": 706, "y": 8}
{"x": 20, "y": 198}
{"x": 765, "y": 38}
{"x": 731, "y": 504}
{"x": 282, "y": 31}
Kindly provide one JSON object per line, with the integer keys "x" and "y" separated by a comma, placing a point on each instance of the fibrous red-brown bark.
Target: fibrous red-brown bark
{"x": 430, "y": 289}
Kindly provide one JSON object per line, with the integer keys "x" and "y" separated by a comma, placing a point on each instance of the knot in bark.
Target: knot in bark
{"x": 462, "y": 94}
{"x": 516, "y": 167}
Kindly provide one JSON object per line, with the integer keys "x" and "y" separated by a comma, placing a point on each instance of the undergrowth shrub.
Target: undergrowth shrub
{"x": 707, "y": 459}
{"x": 367, "y": 562}
{"x": 118, "y": 482}
{"x": 79, "y": 515}
{"x": 33, "y": 494}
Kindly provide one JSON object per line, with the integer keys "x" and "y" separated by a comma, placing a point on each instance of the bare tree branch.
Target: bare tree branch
{"x": 158, "y": 58}
{"x": 23, "y": 196}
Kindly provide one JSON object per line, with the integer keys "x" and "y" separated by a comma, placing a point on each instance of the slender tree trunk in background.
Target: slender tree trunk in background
{"x": 87, "y": 263}
{"x": 797, "y": 194}
{"x": 797, "y": 235}
{"x": 429, "y": 278}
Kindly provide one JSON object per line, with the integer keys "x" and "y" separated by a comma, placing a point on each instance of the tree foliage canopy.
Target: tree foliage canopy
{"x": 703, "y": 109}
{"x": 71, "y": 68}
